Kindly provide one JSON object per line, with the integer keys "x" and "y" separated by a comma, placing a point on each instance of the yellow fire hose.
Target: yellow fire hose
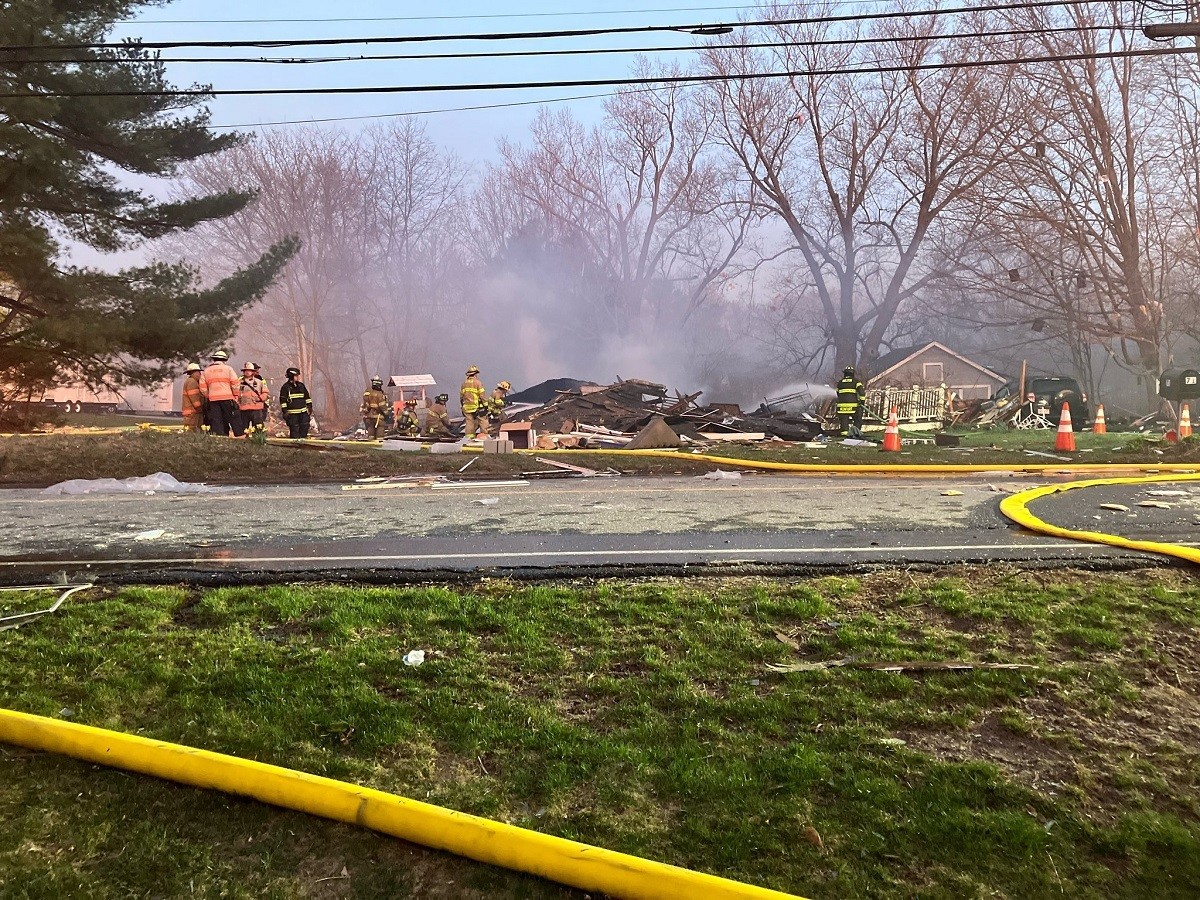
{"x": 1016, "y": 508}
{"x": 567, "y": 862}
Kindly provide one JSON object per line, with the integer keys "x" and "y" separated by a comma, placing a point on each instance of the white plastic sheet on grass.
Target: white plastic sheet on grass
{"x": 158, "y": 483}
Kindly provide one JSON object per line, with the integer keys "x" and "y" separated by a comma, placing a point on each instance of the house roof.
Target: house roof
{"x": 889, "y": 362}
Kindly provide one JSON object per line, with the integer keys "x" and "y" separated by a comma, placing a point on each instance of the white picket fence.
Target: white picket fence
{"x": 914, "y": 406}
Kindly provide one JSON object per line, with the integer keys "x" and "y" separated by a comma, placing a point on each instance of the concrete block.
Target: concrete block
{"x": 446, "y": 448}
{"x": 407, "y": 446}
{"x": 521, "y": 434}
{"x": 491, "y": 445}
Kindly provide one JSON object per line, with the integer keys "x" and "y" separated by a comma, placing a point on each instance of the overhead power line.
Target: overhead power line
{"x": 541, "y": 15}
{"x": 590, "y": 51}
{"x": 606, "y": 82}
{"x": 698, "y": 28}
{"x": 427, "y": 112}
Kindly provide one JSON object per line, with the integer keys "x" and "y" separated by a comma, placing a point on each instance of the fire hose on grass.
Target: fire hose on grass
{"x": 567, "y": 862}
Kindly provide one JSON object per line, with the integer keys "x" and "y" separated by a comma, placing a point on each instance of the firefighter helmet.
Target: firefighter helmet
{"x": 220, "y": 356}
{"x": 504, "y": 386}
{"x": 442, "y": 398}
{"x": 376, "y": 381}
{"x": 193, "y": 367}
{"x": 849, "y": 370}
{"x": 292, "y": 370}
{"x": 472, "y": 370}
{"x": 411, "y": 401}
{"x": 250, "y": 367}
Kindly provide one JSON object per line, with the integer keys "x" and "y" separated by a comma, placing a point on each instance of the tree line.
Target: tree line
{"x": 742, "y": 230}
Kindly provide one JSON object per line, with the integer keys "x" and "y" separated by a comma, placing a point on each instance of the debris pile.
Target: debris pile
{"x": 641, "y": 414}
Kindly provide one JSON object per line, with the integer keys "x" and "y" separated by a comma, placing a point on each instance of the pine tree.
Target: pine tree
{"x": 67, "y": 164}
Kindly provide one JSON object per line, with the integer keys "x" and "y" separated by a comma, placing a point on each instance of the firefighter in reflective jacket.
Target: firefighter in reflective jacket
{"x": 253, "y": 398}
{"x": 850, "y": 396}
{"x": 470, "y": 395}
{"x": 437, "y": 422}
{"x": 295, "y": 402}
{"x": 193, "y": 400}
{"x": 219, "y": 386}
{"x": 408, "y": 424}
{"x": 376, "y": 409}
{"x": 495, "y": 409}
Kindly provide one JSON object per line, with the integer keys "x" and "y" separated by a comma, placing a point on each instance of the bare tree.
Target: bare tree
{"x": 1089, "y": 206}
{"x": 861, "y": 166}
{"x": 644, "y": 199}
{"x": 376, "y": 214}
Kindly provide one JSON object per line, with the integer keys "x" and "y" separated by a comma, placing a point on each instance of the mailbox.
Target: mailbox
{"x": 1179, "y": 384}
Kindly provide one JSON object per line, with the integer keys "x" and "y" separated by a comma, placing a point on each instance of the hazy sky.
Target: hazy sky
{"x": 473, "y": 134}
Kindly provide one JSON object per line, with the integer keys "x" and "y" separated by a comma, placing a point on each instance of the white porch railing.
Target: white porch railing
{"x": 914, "y": 406}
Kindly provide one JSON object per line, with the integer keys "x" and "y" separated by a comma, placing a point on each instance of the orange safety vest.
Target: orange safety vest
{"x": 471, "y": 394}
{"x": 218, "y": 382}
{"x": 193, "y": 400}
{"x": 252, "y": 393}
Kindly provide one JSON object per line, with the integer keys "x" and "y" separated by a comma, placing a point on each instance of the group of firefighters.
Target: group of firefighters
{"x": 481, "y": 414}
{"x": 217, "y": 400}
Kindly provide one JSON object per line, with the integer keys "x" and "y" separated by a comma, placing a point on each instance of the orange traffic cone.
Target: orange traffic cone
{"x": 1185, "y": 422}
{"x": 891, "y": 434}
{"x": 1065, "y": 442}
{"x": 1100, "y": 426}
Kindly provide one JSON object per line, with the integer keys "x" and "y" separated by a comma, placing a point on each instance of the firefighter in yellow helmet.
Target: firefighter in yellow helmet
{"x": 470, "y": 395}
{"x": 376, "y": 409}
{"x": 495, "y": 409}
{"x": 437, "y": 422}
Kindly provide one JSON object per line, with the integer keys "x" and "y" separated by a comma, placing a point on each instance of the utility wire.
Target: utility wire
{"x": 542, "y": 15}
{"x": 510, "y": 54}
{"x": 607, "y": 82}
{"x": 430, "y": 112}
{"x": 699, "y": 28}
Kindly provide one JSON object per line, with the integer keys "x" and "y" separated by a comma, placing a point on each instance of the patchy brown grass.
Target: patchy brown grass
{"x": 42, "y": 460}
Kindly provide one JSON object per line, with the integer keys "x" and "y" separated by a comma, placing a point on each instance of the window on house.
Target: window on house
{"x": 931, "y": 373}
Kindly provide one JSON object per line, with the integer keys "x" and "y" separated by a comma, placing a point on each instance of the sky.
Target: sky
{"x": 471, "y": 134}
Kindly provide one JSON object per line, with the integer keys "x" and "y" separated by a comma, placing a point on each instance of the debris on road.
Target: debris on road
{"x": 1115, "y": 507}
{"x": 159, "y": 482}
{"x": 487, "y": 501}
{"x": 721, "y": 475}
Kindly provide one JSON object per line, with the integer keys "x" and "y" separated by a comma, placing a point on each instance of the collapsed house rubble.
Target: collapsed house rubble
{"x": 637, "y": 414}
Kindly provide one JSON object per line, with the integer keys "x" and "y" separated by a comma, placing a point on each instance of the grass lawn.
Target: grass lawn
{"x": 41, "y": 460}
{"x": 637, "y": 715}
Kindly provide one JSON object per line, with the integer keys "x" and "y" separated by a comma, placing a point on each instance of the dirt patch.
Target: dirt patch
{"x": 1148, "y": 746}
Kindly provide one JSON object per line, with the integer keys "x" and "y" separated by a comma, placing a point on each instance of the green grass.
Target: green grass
{"x": 636, "y": 715}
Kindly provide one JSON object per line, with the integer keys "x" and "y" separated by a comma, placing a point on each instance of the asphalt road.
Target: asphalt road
{"x": 1176, "y": 521}
{"x": 783, "y": 523}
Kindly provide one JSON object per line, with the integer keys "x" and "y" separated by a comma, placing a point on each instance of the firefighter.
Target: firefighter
{"x": 193, "y": 400}
{"x": 253, "y": 399}
{"x": 408, "y": 424}
{"x": 437, "y": 422}
{"x": 495, "y": 409}
{"x": 295, "y": 402}
{"x": 376, "y": 409}
{"x": 219, "y": 387}
{"x": 470, "y": 395}
{"x": 851, "y": 393}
